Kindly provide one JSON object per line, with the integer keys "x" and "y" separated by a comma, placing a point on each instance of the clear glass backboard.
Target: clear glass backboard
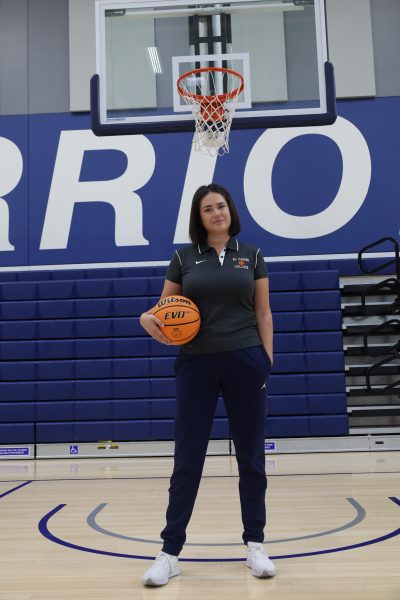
{"x": 144, "y": 46}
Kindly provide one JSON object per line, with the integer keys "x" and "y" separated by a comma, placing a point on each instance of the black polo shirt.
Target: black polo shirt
{"x": 223, "y": 293}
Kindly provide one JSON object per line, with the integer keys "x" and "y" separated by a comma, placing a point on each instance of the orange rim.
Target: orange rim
{"x": 206, "y": 99}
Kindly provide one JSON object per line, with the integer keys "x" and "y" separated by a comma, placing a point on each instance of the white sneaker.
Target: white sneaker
{"x": 258, "y": 561}
{"x": 164, "y": 567}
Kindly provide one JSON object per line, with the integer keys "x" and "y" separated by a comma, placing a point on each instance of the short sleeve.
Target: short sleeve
{"x": 260, "y": 269}
{"x": 174, "y": 271}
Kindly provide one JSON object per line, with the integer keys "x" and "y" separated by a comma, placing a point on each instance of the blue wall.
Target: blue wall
{"x": 325, "y": 193}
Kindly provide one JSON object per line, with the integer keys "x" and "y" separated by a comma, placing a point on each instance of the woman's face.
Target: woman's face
{"x": 214, "y": 213}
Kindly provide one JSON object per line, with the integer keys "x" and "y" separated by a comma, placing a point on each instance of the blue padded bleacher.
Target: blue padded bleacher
{"x": 55, "y": 411}
{"x": 344, "y": 266}
{"x": 17, "y": 412}
{"x": 75, "y": 365}
{"x": 17, "y": 433}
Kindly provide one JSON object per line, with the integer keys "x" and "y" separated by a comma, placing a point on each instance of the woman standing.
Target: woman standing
{"x": 232, "y": 354}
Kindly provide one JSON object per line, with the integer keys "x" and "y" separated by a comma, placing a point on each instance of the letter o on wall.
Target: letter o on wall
{"x": 356, "y": 177}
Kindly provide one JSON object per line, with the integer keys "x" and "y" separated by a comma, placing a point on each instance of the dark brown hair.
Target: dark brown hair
{"x": 197, "y": 233}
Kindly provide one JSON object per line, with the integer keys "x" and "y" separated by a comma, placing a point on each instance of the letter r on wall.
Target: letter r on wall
{"x": 11, "y": 167}
{"x": 66, "y": 189}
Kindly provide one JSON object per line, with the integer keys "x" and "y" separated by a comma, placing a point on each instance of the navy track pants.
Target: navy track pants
{"x": 241, "y": 377}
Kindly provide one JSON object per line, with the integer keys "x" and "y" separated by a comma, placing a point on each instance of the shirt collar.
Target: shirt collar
{"x": 232, "y": 244}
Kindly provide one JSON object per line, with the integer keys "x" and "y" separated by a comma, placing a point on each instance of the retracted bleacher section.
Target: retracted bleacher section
{"x": 307, "y": 391}
{"x": 75, "y": 365}
{"x": 371, "y": 309}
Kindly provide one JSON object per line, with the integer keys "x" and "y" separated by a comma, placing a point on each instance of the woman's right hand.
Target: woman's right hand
{"x": 153, "y": 326}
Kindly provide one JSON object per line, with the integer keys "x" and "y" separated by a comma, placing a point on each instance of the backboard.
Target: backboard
{"x": 144, "y": 46}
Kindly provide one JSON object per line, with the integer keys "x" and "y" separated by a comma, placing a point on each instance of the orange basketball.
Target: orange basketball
{"x": 181, "y": 318}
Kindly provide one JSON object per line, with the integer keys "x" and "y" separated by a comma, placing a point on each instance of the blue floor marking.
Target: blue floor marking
{"x": 43, "y": 528}
{"x": 15, "y": 489}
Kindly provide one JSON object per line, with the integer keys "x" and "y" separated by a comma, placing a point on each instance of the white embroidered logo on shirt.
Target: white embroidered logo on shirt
{"x": 241, "y": 263}
{"x": 200, "y": 261}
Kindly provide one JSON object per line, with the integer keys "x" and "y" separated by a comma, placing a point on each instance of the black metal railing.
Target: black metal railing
{"x": 390, "y": 285}
{"x": 388, "y": 364}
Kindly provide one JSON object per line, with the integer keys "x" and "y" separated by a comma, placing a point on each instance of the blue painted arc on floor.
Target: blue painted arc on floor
{"x": 44, "y": 530}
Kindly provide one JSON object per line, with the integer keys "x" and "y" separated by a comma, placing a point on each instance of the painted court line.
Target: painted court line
{"x": 18, "y": 487}
{"x": 155, "y": 477}
{"x": 44, "y": 530}
{"x": 360, "y": 516}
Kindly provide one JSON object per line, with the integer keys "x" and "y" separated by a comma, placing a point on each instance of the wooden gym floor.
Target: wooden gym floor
{"x": 83, "y": 529}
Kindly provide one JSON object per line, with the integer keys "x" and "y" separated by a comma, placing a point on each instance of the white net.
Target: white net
{"x": 212, "y": 96}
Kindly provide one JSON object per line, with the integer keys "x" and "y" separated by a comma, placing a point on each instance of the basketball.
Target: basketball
{"x": 181, "y": 318}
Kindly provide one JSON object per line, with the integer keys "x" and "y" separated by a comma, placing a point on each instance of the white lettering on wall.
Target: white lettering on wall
{"x": 11, "y": 166}
{"x": 200, "y": 171}
{"x": 353, "y": 188}
{"x": 66, "y": 189}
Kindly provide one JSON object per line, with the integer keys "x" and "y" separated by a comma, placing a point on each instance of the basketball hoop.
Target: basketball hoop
{"x": 211, "y": 93}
